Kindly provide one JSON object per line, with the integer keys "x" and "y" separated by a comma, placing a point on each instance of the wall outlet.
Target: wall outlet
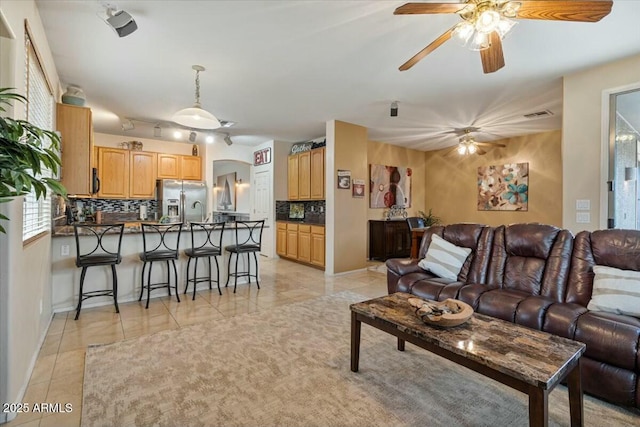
{"x": 583, "y": 205}
{"x": 64, "y": 250}
{"x": 583, "y": 217}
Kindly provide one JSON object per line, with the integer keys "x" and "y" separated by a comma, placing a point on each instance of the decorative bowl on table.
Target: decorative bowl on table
{"x": 447, "y": 313}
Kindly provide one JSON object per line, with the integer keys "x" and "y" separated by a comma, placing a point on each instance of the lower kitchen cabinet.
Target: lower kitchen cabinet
{"x": 304, "y": 243}
{"x": 389, "y": 239}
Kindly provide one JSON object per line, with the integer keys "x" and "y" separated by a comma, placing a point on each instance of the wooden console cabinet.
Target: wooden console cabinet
{"x": 389, "y": 239}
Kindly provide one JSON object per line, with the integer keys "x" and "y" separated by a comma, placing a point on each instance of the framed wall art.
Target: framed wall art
{"x": 503, "y": 187}
{"x": 389, "y": 186}
{"x": 226, "y": 192}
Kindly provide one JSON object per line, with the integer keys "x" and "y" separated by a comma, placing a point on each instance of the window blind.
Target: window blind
{"x": 37, "y": 212}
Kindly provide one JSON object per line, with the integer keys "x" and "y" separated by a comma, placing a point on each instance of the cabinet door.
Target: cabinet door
{"x": 317, "y": 174}
{"x": 74, "y": 125}
{"x": 292, "y": 177}
{"x": 142, "y": 173}
{"x": 292, "y": 241}
{"x": 281, "y": 239}
{"x": 168, "y": 166}
{"x": 304, "y": 176}
{"x": 317, "y": 246}
{"x": 113, "y": 169}
{"x": 191, "y": 167}
{"x": 304, "y": 243}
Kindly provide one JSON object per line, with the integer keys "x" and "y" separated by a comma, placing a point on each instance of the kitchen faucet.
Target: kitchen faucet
{"x": 193, "y": 206}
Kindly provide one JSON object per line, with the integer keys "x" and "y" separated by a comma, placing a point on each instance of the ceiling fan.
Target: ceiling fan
{"x": 486, "y": 22}
{"x": 467, "y": 144}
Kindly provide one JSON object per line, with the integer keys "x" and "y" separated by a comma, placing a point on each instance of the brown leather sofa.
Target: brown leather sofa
{"x": 541, "y": 277}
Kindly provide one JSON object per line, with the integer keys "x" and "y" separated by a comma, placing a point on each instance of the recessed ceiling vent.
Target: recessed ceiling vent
{"x": 538, "y": 114}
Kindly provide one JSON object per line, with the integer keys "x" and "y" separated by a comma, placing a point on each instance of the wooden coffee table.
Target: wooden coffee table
{"x": 527, "y": 360}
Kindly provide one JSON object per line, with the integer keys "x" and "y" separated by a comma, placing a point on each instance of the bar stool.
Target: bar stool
{"x": 100, "y": 245}
{"x": 204, "y": 244}
{"x": 157, "y": 247}
{"x": 251, "y": 243}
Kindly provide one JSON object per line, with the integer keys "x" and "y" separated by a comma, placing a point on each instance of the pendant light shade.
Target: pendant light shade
{"x": 196, "y": 117}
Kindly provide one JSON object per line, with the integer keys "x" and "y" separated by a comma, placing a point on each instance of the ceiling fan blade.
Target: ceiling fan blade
{"x": 480, "y": 151}
{"x": 565, "y": 10}
{"x": 427, "y": 50}
{"x": 490, "y": 144}
{"x": 428, "y": 8}
{"x": 492, "y": 57}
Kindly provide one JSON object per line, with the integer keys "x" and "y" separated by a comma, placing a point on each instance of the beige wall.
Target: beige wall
{"x": 25, "y": 285}
{"x": 346, "y": 225}
{"x": 582, "y": 137}
{"x": 451, "y": 187}
{"x": 379, "y": 153}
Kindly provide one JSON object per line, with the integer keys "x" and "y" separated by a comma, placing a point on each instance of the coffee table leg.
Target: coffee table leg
{"x": 355, "y": 341}
{"x": 575, "y": 396}
{"x": 400, "y": 344}
{"x": 538, "y": 407}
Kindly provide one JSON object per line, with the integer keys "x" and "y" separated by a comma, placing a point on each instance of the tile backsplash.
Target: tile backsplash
{"x": 314, "y": 211}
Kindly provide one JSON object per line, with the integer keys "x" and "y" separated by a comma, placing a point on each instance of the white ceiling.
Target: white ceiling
{"x": 281, "y": 69}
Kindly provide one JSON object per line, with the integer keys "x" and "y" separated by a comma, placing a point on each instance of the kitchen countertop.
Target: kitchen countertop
{"x": 301, "y": 222}
{"x": 130, "y": 227}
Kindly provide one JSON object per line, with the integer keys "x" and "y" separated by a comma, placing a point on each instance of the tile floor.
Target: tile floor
{"x": 59, "y": 370}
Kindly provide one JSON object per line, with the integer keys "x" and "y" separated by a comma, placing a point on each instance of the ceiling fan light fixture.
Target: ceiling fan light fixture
{"x": 463, "y": 32}
{"x": 462, "y": 149}
{"x": 472, "y": 148}
{"x": 487, "y": 21}
{"x": 196, "y": 117}
{"x": 479, "y": 41}
{"x": 504, "y": 26}
{"x": 509, "y": 9}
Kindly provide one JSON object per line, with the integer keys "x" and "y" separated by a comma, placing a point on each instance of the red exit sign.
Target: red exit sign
{"x": 262, "y": 157}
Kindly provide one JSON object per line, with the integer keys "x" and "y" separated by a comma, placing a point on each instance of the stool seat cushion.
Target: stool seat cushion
{"x": 243, "y": 248}
{"x": 158, "y": 256}
{"x": 101, "y": 259}
{"x": 202, "y": 252}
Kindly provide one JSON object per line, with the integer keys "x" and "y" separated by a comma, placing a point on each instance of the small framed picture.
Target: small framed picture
{"x": 344, "y": 179}
{"x": 358, "y": 188}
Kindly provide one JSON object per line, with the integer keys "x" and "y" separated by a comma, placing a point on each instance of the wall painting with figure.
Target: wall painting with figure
{"x": 389, "y": 186}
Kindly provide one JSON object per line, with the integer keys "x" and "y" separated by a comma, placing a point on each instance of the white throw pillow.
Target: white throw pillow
{"x": 444, "y": 259}
{"x": 615, "y": 291}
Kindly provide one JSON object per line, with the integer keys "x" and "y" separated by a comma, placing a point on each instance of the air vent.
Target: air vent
{"x": 538, "y": 114}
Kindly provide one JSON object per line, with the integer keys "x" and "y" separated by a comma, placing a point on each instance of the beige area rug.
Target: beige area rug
{"x": 290, "y": 367}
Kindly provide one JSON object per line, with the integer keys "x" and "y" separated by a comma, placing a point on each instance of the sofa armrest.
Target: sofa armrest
{"x": 398, "y": 267}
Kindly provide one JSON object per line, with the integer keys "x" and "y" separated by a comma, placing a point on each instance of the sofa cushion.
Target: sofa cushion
{"x": 444, "y": 259}
{"x": 615, "y": 291}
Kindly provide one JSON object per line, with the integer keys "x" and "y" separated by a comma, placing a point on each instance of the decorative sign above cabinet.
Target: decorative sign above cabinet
{"x": 262, "y": 157}
{"x": 301, "y": 147}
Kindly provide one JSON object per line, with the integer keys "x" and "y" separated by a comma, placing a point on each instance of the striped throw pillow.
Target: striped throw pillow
{"x": 615, "y": 291}
{"x": 444, "y": 259}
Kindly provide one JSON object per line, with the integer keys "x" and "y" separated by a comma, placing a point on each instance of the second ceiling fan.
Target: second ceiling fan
{"x": 486, "y": 22}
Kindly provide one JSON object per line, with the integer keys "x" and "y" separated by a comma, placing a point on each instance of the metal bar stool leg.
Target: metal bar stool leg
{"x": 235, "y": 282}
{"x": 228, "y": 269}
{"x": 248, "y": 269}
{"x": 217, "y": 274}
{"x": 195, "y": 279}
{"x": 142, "y": 281}
{"x": 115, "y": 287}
{"x": 149, "y": 283}
{"x": 175, "y": 277}
{"x": 209, "y": 258}
{"x": 82, "y": 274}
{"x": 255, "y": 256}
{"x": 168, "y": 279}
{"x": 186, "y": 285}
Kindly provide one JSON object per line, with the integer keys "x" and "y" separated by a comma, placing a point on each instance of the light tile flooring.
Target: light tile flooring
{"x": 59, "y": 370}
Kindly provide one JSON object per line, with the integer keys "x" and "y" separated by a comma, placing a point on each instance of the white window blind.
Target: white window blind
{"x": 37, "y": 212}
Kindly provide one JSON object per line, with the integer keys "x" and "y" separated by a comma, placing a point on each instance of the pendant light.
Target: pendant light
{"x": 196, "y": 117}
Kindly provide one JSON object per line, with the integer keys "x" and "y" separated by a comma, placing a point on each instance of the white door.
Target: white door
{"x": 262, "y": 206}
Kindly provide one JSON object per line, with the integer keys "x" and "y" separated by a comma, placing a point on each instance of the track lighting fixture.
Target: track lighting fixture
{"x": 228, "y": 140}
{"x": 157, "y": 131}
{"x": 394, "y": 109}
{"x": 121, "y": 22}
{"x": 192, "y": 136}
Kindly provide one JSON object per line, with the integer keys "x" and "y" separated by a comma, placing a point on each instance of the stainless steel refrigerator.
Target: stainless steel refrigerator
{"x": 182, "y": 201}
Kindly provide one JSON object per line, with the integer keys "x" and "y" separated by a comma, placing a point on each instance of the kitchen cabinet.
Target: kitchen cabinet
{"x": 142, "y": 173}
{"x": 389, "y": 239}
{"x": 76, "y": 130}
{"x": 301, "y": 242}
{"x": 281, "y": 239}
{"x": 292, "y": 177}
{"x": 292, "y": 241}
{"x": 169, "y": 166}
{"x": 113, "y": 170}
{"x": 317, "y": 246}
{"x": 191, "y": 167}
{"x": 317, "y": 174}
{"x": 305, "y": 175}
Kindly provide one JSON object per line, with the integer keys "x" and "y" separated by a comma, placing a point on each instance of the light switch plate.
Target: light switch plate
{"x": 583, "y": 205}
{"x": 583, "y": 217}
{"x": 64, "y": 250}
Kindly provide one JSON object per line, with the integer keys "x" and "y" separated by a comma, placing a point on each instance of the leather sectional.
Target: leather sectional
{"x": 541, "y": 276}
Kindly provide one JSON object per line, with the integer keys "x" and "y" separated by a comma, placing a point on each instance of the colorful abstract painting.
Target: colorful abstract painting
{"x": 503, "y": 187}
{"x": 390, "y": 186}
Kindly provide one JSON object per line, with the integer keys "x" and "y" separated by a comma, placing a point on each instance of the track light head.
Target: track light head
{"x": 121, "y": 21}
{"x": 394, "y": 109}
{"x": 228, "y": 140}
{"x": 192, "y": 136}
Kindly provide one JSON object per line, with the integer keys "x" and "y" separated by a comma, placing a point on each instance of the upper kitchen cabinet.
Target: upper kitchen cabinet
{"x": 142, "y": 173}
{"x": 175, "y": 166}
{"x": 191, "y": 167}
{"x": 113, "y": 171}
{"x": 76, "y": 130}
{"x": 169, "y": 166}
{"x": 306, "y": 175}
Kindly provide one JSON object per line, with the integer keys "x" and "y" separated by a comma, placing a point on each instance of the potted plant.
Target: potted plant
{"x": 429, "y": 219}
{"x": 25, "y": 152}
